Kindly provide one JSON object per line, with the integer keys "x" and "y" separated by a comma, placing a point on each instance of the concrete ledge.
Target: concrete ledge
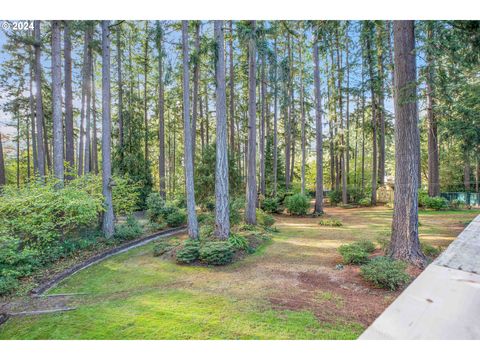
{"x": 443, "y": 302}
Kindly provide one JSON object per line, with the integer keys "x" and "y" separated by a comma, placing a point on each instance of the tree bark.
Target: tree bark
{"x": 189, "y": 184}
{"x": 303, "y": 135}
{"x": 108, "y": 217}
{"x": 251, "y": 196}
{"x": 232, "y": 93}
{"x": 161, "y": 113}
{"x": 145, "y": 97}
{"x": 381, "y": 107}
{"x": 120, "y": 91}
{"x": 263, "y": 95}
{"x": 94, "y": 124}
{"x": 88, "y": 101}
{"x": 58, "y": 166}
{"x": 318, "y": 133}
{"x": 342, "y": 137}
{"x": 196, "y": 81}
{"x": 405, "y": 244}
{"x": 433, "y": 160}
{"x": 39, "y": 101}
{"x": 222, "y": 219}
{"x": 81, "y": 135}
{"x": 69, "y": 142}
{"x": 32, "y": 116}
{"x": 275, "y": 122}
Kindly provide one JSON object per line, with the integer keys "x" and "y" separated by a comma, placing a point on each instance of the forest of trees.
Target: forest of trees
{"x": 212, "y": 110}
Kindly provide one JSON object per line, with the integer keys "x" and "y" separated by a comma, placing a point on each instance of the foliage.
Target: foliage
{"x": 216, "y": 253}
{"x": 131, "y": 229}
{"x": 162, "y": 248}
{"x": 235, "y": 206}
{"x": 430, "y": 250}
{"x": 366, "y": 245}
{"x": 330, "y": 222}
{"x": 335, "y": 197}
{"x": 264, "y": 219}
{"x": 297, "y": 204}
{"x": 434, "y": 203}
{"x": 365, "y": 202}
{"x": 238, "y": 241}
{"x": 176, "y": 218}
{"x": 385, "y": 272}
{"x": 155, "y": 206}
{"x": 271, "y": 205}
{"x": 189, "y": 252}
{"x": 353, "y": 254}
{"x": 456, "y": 204}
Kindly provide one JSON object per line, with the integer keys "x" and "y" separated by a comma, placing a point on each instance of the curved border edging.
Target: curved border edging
{"x": 42, "y": 288}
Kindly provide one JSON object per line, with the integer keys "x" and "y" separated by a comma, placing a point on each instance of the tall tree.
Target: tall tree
{"x": 88, "y": 103}
{"x": 94, "y": 123}
{"x": 231, "y": 83}
{"x": 58, "y": 166}
{"x": 39, "y": 100}
{"x": 250, "y": 216}
{"x": 145, "y": 98}
{"x": 120, "y": 90}
{"x": 108, "y": 217}
{"x": 381, "y": 102}
{"x": 192, "y": 216}
{"x": 222, "y": 219}
{"x": 303, "y": 121}
{"x": 433, "y": 159}
{"x": 69, "y": 141}
{"x": 196, "y": 81}
{"x": 275, "y": 119}
{"x": 318, "y": 132}
{"x": 405, "y": 244}
{"x": 161, "y": 113}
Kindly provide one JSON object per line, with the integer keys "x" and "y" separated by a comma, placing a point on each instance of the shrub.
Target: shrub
{"x": 176, "y": 218}
{"x": 216, "y": 253}
{"x": 206, "y": 218}
{"x": 8, "y": 284}
{"x": 206, "y": 231}
{"x": 238, "y": 241}
{"x": 429, "y": 250}
{"x": 162, "y": 248}
{"x": 330, "y": 222}
{"x": 366, "y": 245}
{"x": 435, "y": 203}
{"x": 155, "y": 205}
{"x": 353, "y": 254}
{"x": 271, "y": 205}
{"x": 297, "y": 204}
{"x": 385, "y": 273}
{"x": 264, "y": 219}
{"x": 365, "y": 202}
{"x": 189, "y": 252}
{"x": 131, "y": 229}
{"x": 235, "y": 207}
{"x": 457, "y": 204}
{"x": 335, "y": 197}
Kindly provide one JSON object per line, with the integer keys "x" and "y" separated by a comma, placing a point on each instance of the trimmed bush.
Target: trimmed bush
{"x": 238, "y": 241}
{"x": 297, "y": 204}
{"x": 271, "y": 205}
{"x": 434, "y": 203}
{"x": 365, "y": 202}
{"x": 335, "y": 197}
{"x": 176, "y": 218}
{"x": 162, "y": 248}
{"x": 385, "y": 272}
{"x": 366, "y": 245}
{"x": 131, "y": 229}
{"x": 189, "y": 252}
{"x": 353, "y": 254}
{"x": 216, "y": 253}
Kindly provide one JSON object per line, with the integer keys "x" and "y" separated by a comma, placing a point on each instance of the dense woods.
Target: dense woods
{"x": 208, "y": 112}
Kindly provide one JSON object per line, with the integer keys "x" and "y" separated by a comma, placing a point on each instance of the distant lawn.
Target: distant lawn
{"x": 288, "y": 290}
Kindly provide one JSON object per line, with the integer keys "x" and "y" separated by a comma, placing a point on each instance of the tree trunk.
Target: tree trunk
{"x": 69, "y": 142}
{"x": 161, "y": 113}
{"x": 39, "y": 101}
{"x": 433, "y": 160}
{"x": 145, "y": 98}
{"x": 88, "y": 100}
{"x": 381, "y": 107}
{"x": 94, "y": 124}
{"x": 192, "y": 216}
{"x": 275, "y": 123}
{"x": 222, "y": 219}
{"x": 303, "y": 135}
{"x": 81, "y": 135}
{"x": 251, "y": 196}
{"x": 347, "y": 69}
{"x": 342, "y": 137}
{"x": 196, "y": 82}
{"x": 32, "y": 117}
{"x": 17, "y": 116}
{"x": 120, "y": 92}
{"x": 405, "y": 244}
{"x": 108, "y": 217}
{"x": 58, "y": 168}
{"x": 263, "y": 95}
{"x": 466, "y": 172}
{"x": 232, "y": 94}
{"x": 288, "y": 119}
{"x": 318, "y": 133}
{"x": 374, "y": 121}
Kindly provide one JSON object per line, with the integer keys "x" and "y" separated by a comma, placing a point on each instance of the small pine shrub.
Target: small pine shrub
{"x": 264, "y": 219}
{"x": 271, "y": 205}
{"x": 131, "y": 229}
{"x": 385, "y": 272}
{"x": 365, "y": 202}
{"x": 297, "y": 204}
{"x": 238, "y": 241}
{"x": 8, "y": 284}
{"x": 353, "y": 254}
{"x": 189, "y": 252}
{"x": 366, "y": 245}
{"x": 155, "y": 205}
{"x": 206, "y": 231}
{"x": 430, "y": 250}
{"x": 162, "y": 248}
{"x": 330, "y": 222}
{"x": 176, "y": 218}
{"x": 216, "y": 253}
{"x": 335, "y": 197}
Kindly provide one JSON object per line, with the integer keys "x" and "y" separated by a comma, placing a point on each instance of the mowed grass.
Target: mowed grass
{"x": 137, "y": 296}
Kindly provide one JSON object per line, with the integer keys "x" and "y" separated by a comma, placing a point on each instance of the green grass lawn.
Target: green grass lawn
{"x": 272, "y": 294}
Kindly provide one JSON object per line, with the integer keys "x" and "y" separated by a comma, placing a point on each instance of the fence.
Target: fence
{"x": 469, "y": 198}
